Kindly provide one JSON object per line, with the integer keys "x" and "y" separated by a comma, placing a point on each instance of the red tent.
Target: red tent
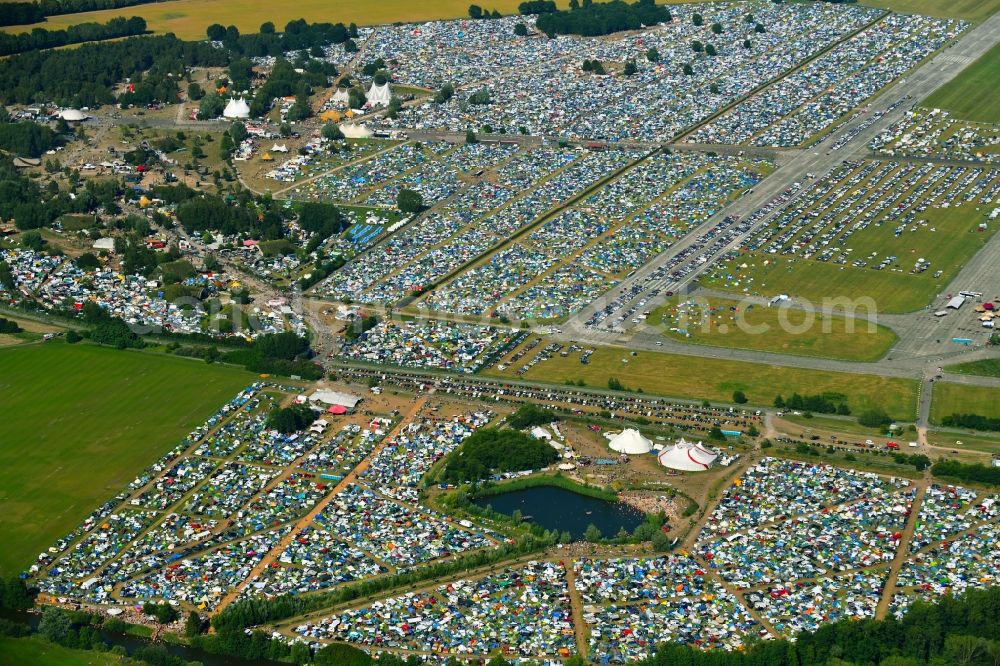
{"x": 337, "y": 409}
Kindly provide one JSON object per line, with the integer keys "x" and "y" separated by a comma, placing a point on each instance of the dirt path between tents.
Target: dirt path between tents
{"x": 902, "y": 549}
{"x": 576, "y": 608}
{"x": 307, "y": 519}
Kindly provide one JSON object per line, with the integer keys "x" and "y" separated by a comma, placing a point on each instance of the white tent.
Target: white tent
{"x": 237, "y": 109}
{"x": 630, "y": 441}
{"x": 379, "y": 95}
{"x": 351, "y": 131}
{"x": 72, "y": 115}
{"x": 687, "y": 457}
{"x": 340, "y": 97}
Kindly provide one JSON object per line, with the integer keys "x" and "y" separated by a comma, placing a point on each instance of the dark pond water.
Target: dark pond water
{"x": 559, "y": 509}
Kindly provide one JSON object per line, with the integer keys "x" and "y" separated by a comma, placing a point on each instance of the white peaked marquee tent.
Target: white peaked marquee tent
{"x": 237, "y": 109}
{"x": 631, "y": 442}
{"x": 686, "y": 456}
{"x": 379, "y": 95}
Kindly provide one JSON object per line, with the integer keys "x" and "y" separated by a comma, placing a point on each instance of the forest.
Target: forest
{"x": 40, "y": 38}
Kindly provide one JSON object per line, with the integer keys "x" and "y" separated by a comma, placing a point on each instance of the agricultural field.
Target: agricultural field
{"x": 846, "y": 237}
{"x": 973, "y": 94}
{"x": 949, "y": 398}
{"x": 970, "y": 10}
{"x": 188, "y": 18}
{"x": 719, "y": 322}
{"x": 87, "y": 412}
{"x": 714, "y": 379}
{"x": 987, "y": 367}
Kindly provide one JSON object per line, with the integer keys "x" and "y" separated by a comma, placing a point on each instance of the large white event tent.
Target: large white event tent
{"x": 237, "y": 109}
{"x": 379, "y": 95}
{"x": 687, "y": 456}
{"x": 631, "y": 442}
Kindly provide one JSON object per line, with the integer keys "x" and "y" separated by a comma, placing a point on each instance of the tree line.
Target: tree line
{"x": 40, "y": 38}
{"x": 86, "y": 76}
{"x": 967, "y": 473}
{"x": 605, "y": 18}
{"x": 23, "y": 13}
{"x": 971, "y": 421}
{"x": 28, "y": 138}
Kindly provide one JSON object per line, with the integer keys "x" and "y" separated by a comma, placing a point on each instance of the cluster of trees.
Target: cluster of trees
{"x": 593, "y": 66}
{"x": 823, "y": 403}
{"x": 971, "y": 421}
{"x": 409, "y": 201}
{"x": 27, "y": 138}
{"x": 603, "y": 18}
{"x": 490, "y": 451}
{"x": 874, "y": 418}
{"x": 14, "y": 594}
{"x": 164, "y": 613}
{"x": 21, "y": 13}
{"x": 953, "y": 631}
{"x": 213, "y": 213}
{"x": 287, "y": 420}
{"x": 86, "y": 76}
{"x": 115, "y": 333}
{"x": 56, "y": 7}
{"x": 8, "y": 326}
{"x": 40, "y": 38}
{"x": 322, "y": 219}
{"x": 279, "y": 354}
{"x": 975, "y": 473}
{"x": 297, "y": 36}
{"x": 537, "y": 7}
{"x": 529, "y": 415}
{"x": 477, "y": 12}
{"x": 358, "y": 327}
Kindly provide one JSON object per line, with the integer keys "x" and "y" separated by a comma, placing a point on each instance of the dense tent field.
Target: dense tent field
{"x": 89, "y": 419}
{"x": 973, "y": 94}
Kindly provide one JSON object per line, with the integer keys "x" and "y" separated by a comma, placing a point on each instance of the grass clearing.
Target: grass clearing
{"x": 975, "y": 93}
{"x": 38, "y": 652}
{"x": 987, "y": 367}
{"x": 694, "y": 377}
{"x": 949, "y": 440}
{"x": 88, "y": 420}
{"x": 970, "y": 10}
{"x": 949, "y": 398}
{"x": 953, "y": 242}
{"x": 729, "y": 323}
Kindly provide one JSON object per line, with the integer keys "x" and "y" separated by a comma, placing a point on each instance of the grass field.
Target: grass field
{"x": 970, "y": 10}
{"x": 714, "y": 379}
{"x": 38, "y": 652}
{"x": 728, "y": 323}
{"x": 954, "y": 242}
{"x": 969, "y": 442}
{"x": 951, "y": 398}
{"x": 80, "y": 422}
{"x": 975, "y": 93}
{"x": 988, "y": 367}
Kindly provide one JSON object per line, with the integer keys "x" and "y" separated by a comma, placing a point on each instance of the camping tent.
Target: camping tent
{"x": 237, "y": 109}
{"x": 687, "y": 457}
{"x": 379, "y": 95}
{"x": 630, "y": 441}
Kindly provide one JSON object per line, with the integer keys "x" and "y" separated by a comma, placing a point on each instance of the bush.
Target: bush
{"x": 72, "y": 337}
{"x": 8, "y": 326}
{"x": 874, "y": 418}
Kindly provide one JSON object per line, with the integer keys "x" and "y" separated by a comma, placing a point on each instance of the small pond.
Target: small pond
{"x": 560, "y": 509}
